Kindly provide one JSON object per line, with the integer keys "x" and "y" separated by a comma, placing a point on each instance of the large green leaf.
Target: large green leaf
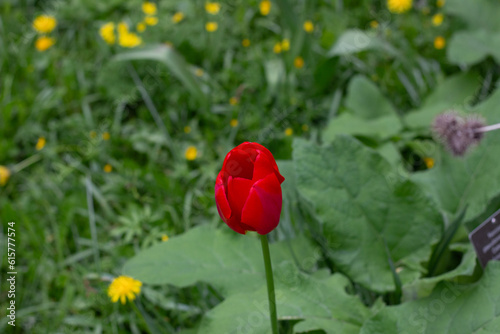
{"x": 175, "y": 63}
{"x": 228, "y": 261}
{"x": 470, "y": 47}
{"x": 478, "y": 13}
{"x": 321, "y": 303}
{"x": 455, "y": 92}
{"x": 470, "y": 181}
{"x": 451, "y": 308}
{"x": 365, "y": 99}
{"x": 355, "y": 40}
{"x": 371, "y": 215}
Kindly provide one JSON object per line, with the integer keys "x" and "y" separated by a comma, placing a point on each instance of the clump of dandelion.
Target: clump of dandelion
{"x": 399, "y": 6}
{"x": 187, "y": 129}
{"x": 191, "y": 153}
{"x": 107, "y": 32}
{"x": 149, "y": 8}
{"x": 285, "y": 44}
{"x": 374, "y": 24}
{"x": 43, "y": 43}
{"x": 308, "y": 26}
{"x": 437, "y": 19}
{"x": 123, "y": 288}
{"x": 233, "y": 101}
{"x": 151, "y": 20}
{"x": 44, "y": 24}
{"x": 164, "y": 238}
{"x": 40, "y": 143}
{"x": 298, "y": 62}
{"x": 212, "y": 7}
{"x": 439, "y": 42}
{"x": 233, "y": 123}
{"x": 459, "y": 133}
{"x": 288, "y": 132}
{"x": 429, "y": 162}
{"x": 140, "y": 27}
{"x": 440, "y": 3}
{"x": 277, "y": 48}
{"x": 178, "y": 17}
{"x": 245, "y": 43}
{"x": 4, "y": 175}
{"x": 106, "y": 136}
{"x": 126, "y": 38}
{"x": 108, "y": 168}
{"x": 265, "y": 7}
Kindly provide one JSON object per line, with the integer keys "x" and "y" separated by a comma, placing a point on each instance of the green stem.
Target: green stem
{"x": 270, "y": 283}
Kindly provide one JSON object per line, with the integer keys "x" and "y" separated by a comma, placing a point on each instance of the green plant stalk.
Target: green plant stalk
{"x": 270, "y": 284}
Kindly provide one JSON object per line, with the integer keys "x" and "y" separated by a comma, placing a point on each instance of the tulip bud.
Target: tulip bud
{"x": 248, "y": 189}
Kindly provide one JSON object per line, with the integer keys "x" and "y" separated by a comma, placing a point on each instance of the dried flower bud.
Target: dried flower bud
{"x": 458, "y": 133}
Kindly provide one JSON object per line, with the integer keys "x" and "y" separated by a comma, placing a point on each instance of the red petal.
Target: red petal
{"x": 237, "y": 163}
{"x": 250, "y": 147}
{"x": 263, "y": 206}
{"x": 238, "y": 190}
{"x": 225, "y": 210}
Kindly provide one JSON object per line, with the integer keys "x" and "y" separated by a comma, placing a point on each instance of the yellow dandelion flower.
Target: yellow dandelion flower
{"x": 44, "y": 24}
{"x": 439, "y": 42}
{"x": 108, "y": 168}
{"x": 429, "y": 162}
{"x": 298, "y": 62}
{"x": 285, "y": 45}
{"x": 129, "y": 40}
{"x": 212, "y": 7}
{"x": 187, "y": 129}
{"x": 288, "y": 132}
{"x": 123, "y": 288}
{"x": 374, "y": 24}
{"x": 40, "y": 144}
{"x": 399, "y": 6}
{"x": 440, "y": 3}
{"x": 233, "y": 123}
{"x": 43, "y": 43}
{"x": 106, "y": 136}
{"x": 107, "y": 32}
{"x": 199, "y": 72}
{"x": 308, "y": 26}
{"x": 233, "y": 101}
{"x": 265, "y": 7}
{"x": 140, "y": 27}
{"x": 437, "y": 20}
{"x": 211, "y": 26}
{"x": 149, "y": 8}
{"x": 93, "y": 134}
{"x": 191, "y": 153}
{"x": 277, "y": 47}
{"x": 151, "y": 20}
{"x": 178, "y": 17}
{"x": 4, "y": 175}
{"x": 164, "y": 238}
{"x": 122, "y": 28}
{"x": 245, "y": 42}
{"x": 305, "y": 127}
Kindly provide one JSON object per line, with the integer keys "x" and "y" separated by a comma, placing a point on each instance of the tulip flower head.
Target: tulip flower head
{"x": 248, "y": 189}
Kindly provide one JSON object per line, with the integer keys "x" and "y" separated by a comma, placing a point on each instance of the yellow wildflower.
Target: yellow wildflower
{"x": 108, "y": 168}
{"x": 151, "y": 20}
{"x": 399, "y": 6}
{"x": 212, "y": 7}
{"x": 308, "y": 26}
{"x": 233, "y": 123}
{"x": 245, "y": 42}
{"x": 285, "y": 45}
{"x": 233, "y": 101}
{"x": 374, "y": 24}
{"x": 187, "y": 129}
{"x": 277, "y": 47}
{"x": 43, "y": 43}
{"x": 178, "y": 17}
{"x": 298, "y": 62}
{"x": 199, "y": 72}
{"x": 211, "y": 26}
{"x": 4, "y": 175}
{"x": 44, "y": 24}
{"x": 123, "y": 288}
{"x": 141, "y": 27}
{"x": 107, "y": 32}
{"x": 439, "y": 42}
{"x": 437, "y": 20}
{"x": 288, "y": 131}
{"x": 164, "y": 238}
{"x": 129, "y": 40}
{"x": 429, "y": 162}
{"x": 106, "y": 136}
{"x": 265, "y": 7}
{"x": 440, "y": 3}
{"x": 191, "y": 153}
{"x": 40, "y": 144}
{"x": 149, "y": 8}
{"x": 122, "y": 28}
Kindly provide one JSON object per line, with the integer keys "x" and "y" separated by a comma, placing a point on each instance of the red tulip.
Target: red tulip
{"x": 248, "y": 189}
